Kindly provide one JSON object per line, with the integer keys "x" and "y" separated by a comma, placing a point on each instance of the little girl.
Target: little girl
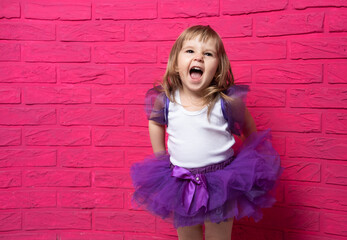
{"x": 201, "y": 179}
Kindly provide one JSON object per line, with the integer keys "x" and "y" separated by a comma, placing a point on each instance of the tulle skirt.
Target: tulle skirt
{"x": 235, "y": 188}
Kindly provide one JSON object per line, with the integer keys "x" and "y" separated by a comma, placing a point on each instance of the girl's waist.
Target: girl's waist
{"x": 208, "y": 168}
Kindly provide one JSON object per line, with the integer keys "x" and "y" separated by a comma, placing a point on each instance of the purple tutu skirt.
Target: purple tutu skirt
{"x": 235, "y": 188}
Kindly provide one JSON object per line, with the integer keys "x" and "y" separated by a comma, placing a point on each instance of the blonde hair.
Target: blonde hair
{"x": 223, "y": 78}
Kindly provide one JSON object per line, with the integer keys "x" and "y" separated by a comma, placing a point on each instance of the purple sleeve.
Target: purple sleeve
{"x": 234, "y": 110}
{"x": 155, "y": 105}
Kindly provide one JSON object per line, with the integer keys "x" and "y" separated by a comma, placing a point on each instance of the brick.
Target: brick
{"x": 279, "y": 143}
{"x": 27, "y": 31}
{"x": 279, "y": 192}
{"x": 336, "y": 122}
{"x": 91, "y": 74}
{"x": 299, "y": 219}
{"x": 10, "y": 95}
{"x": 136, "y": 155}
{"x": 9, "y": 9}
{"x": 338, "y": 21}
{"x": 124, "y": 221}
{"x": 125, "y": 53}
{"x": 130, "y": 95}
{"x": 317, "y": 147}
{"x": 9, "y": 51}
{"x": 145, "y": 74}
{"x": 256, "y": 50}
{"x": 121, "y": 137}
{"x": 28, "y": 157}
{"x": 57, "y": 137}
{"x": 336, "y": 73}
{"x": 288, "y": 73}
{"x": 10, "y": 221}
{"x": 267, "y": 97}
{"x": 303, "y": 4}
{"x": 28, "y": 236}
{"x": 87, "y": 158}
{"x": 336, "y": 174}
{"x": 62, "y": 10}
{"x": 119, "y": 10}
{"x": 90, "y": 199}
{"x": 103, "y": 31}
{"x": 56, "y": 178}
{"x": 91, "y": 116}
{"x": 164, "y": 51}
{"x": 288, "y": 121}
{"x": 47, "y": 220}
{"x": 129, "y": 203}
{"x": 27, "y": 116}
{"x": 143, "y": 31}
{"x": 301, "y": 236}
{"x": 317, "y": 197}
{"x": 319, "y": 48}
{"x": 289, "y": 24}
{"x": 11, "y": 178}
{"x": 55, "y": 52}
{"x": 149, "y": 237}
{"x": 304, "y": 171}
{"x": 27, "y": 73}
{"x": 234, "y": 7}
{"x": 186, "y": 9}
{"x": 135, "y": 116}
{"x": 317, "y": 98}
{"x": 334, "y": 223}
{"x": 246, "y": 232}
{"x": 56, "y": 95}
{"x": 10, "y": 137}
{"x": 27, "y": 199}
{"x": 242, "y": 73}
{"x": 112, "y": 179}
{"x": 238, "y": 26}
{"x": 90, "y": 236}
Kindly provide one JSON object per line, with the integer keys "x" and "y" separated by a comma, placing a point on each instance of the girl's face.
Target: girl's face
{"x": 197, "y": 64}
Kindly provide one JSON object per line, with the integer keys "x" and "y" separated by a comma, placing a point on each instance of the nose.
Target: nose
{"x": 198, "y": 57}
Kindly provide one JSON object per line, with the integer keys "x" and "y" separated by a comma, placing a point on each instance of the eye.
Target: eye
{"x": 189, "y": 51}
{"x": 209, "y": 54}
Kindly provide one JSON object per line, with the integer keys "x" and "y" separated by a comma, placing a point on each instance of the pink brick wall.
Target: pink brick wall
{"x": 73, "y": 77}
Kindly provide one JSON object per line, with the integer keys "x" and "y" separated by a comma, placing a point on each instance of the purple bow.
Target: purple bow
{"x": 195, "y": 190}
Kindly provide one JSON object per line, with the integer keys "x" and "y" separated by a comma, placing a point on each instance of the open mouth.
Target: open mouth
{"x": 196, "y": 72}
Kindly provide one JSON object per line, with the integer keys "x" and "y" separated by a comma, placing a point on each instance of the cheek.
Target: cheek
{"x": 182, "y": 66}
{"x": 216, "y": 67}
{"x": 178, "y": 67}
{"x": 178, "y": 64}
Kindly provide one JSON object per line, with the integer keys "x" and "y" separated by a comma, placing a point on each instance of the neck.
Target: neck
{"x": 191, "y": 101}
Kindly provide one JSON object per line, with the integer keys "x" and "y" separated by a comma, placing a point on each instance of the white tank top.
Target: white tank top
{"x": 193, "y": 140}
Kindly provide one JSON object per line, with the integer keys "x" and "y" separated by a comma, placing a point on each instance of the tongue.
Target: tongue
{"x": 195, "y": 75}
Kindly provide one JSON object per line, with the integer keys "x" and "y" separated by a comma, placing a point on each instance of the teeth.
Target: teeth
{"x": 196, "y": 68}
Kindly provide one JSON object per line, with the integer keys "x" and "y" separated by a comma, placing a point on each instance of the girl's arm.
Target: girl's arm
{"x": 157, "y": 136}
{"x": 249, "y": 125}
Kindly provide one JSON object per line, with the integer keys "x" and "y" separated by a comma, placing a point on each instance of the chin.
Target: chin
{"x": 196, "y": 89}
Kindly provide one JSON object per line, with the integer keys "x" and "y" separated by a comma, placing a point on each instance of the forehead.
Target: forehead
{"x": 199, "y": 41}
